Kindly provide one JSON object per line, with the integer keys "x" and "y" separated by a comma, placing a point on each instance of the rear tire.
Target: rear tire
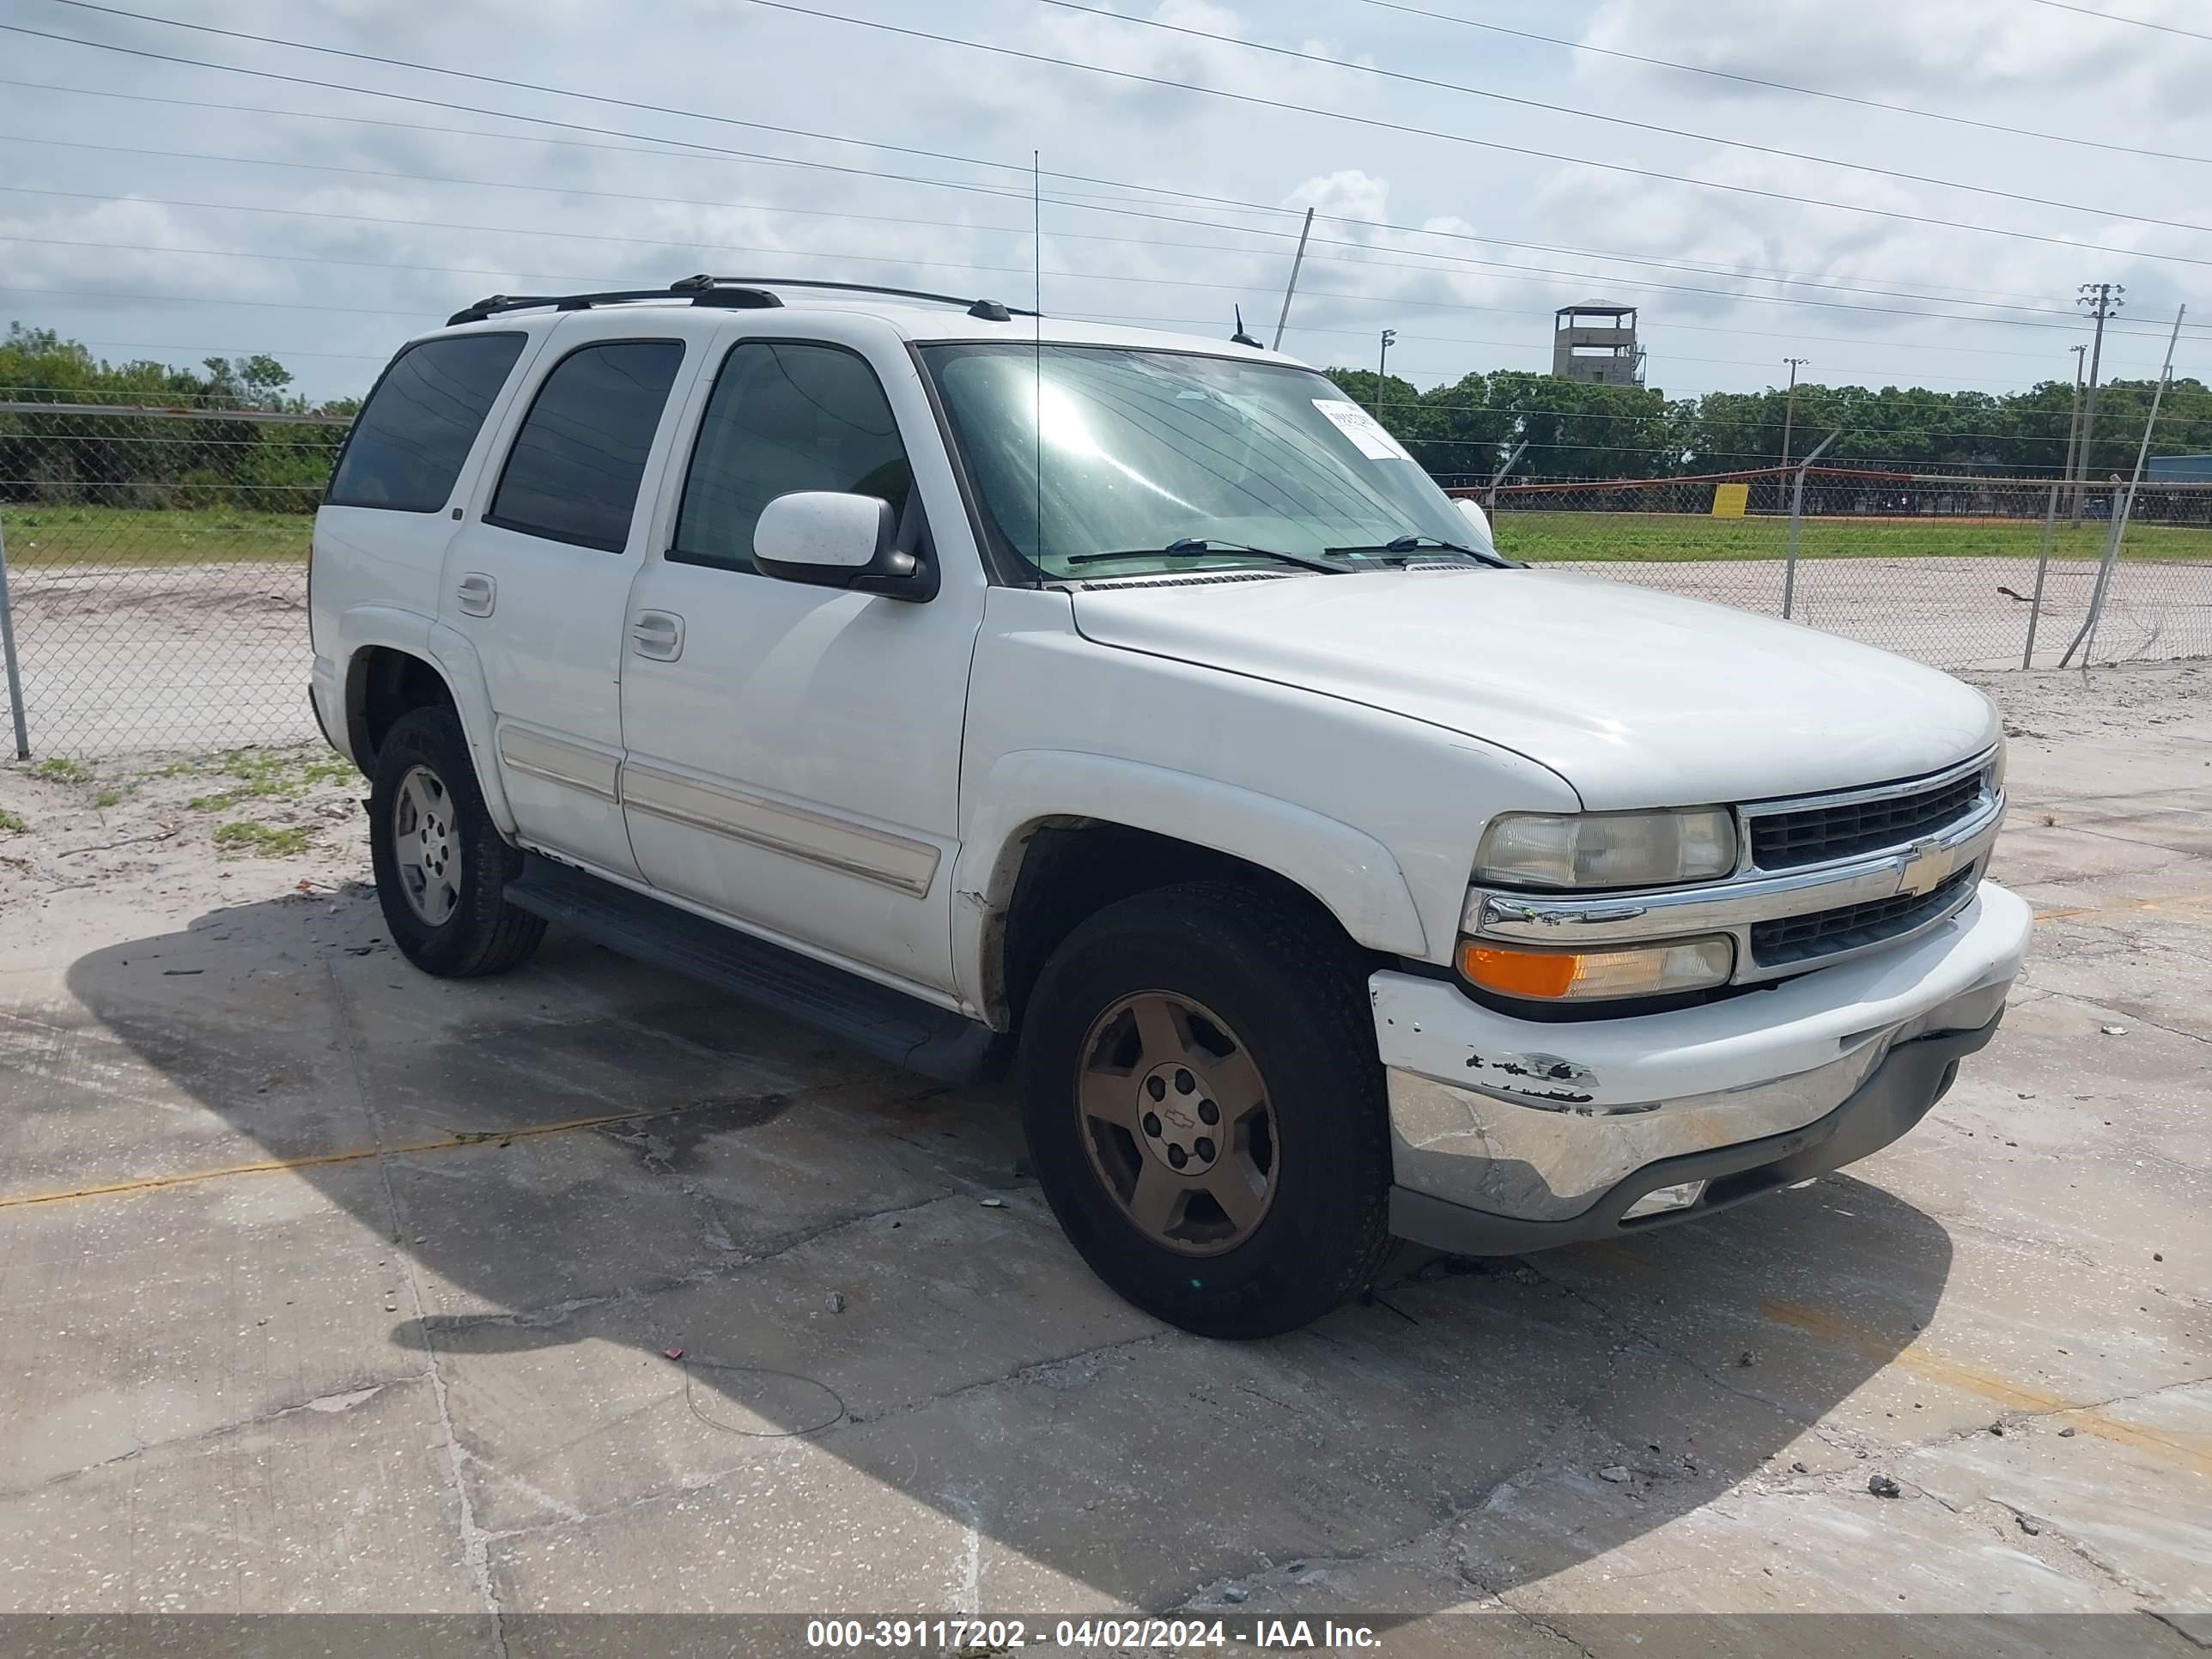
{"x": 1245, "y": 1216}
{"x": 441, "y": 866}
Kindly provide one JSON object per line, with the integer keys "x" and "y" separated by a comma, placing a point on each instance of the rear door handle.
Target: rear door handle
{"x": 658, "y": 634}
{"x": 476, "y": 594}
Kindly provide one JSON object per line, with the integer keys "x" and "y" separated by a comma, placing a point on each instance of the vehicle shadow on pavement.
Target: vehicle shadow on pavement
{"x": 727, "y": 1317}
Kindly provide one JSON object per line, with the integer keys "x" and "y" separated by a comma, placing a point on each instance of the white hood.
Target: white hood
{"x": 1635, "y": 698}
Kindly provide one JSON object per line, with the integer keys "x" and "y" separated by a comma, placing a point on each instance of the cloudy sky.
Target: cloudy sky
{"x": 157, "y": 207}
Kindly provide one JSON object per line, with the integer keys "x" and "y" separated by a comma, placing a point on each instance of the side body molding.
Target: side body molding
{"x": 1347, "y": 870}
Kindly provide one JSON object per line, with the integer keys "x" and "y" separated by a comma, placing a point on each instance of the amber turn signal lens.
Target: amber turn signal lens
{"x": 1519, "y": 973}
{"x": 1579, "y": 975}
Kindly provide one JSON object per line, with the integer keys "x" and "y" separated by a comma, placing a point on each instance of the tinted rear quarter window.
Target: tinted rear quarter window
{"x": 572, "y": 474}
{"x": 784, "y": 417}
{"x": 409, "y": 443}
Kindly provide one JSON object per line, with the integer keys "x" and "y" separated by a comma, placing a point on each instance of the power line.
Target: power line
{"x": 1128, "y": 74}
{"x": 711, "y": 150}
{"x": 1614, "y": 120}
{"x": 697, "y": 246}
{"x": 1945, "y": 294}
{"x": 1431, "y": 258}
{"x": 1784, "y": 86}
{"x": 1538, "y": 271}
{"x": 589, "y": 278}
{"x": 1148, "y": 322}
{"x": 475, "y": 229}
{"x": 1704, "y": 268}
{"x": 2115, "y": 17}
{"x": 1454, "y": 138}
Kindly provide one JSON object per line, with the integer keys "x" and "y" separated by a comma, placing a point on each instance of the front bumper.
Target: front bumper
{"x": 1509, "y": 1134}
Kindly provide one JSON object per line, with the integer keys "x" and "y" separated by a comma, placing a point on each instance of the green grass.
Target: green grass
{"x": 62, "y": 770}
{"x": 12, "y": 823}
{"x": 107, "y": 798}
{"x": 1656, "y": 537}
{"x": 259, "y": 775}
{"x": 249, "y": 839}
{"x": 39, "y": 536}
{"x": 57, "y": 536}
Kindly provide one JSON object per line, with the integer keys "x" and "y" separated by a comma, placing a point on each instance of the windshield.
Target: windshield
{"x": 1181, "y": 462}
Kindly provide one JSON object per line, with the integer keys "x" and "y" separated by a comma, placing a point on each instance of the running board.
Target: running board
{"x": 874, "y": 1018}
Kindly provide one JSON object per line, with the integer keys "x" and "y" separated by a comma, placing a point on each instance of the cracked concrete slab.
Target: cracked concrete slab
{"x": 300, "y": 1511}
{"x": 283, "y": 1303}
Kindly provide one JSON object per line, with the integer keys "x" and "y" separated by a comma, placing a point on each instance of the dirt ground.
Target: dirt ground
{"x": 326, "y": 1287}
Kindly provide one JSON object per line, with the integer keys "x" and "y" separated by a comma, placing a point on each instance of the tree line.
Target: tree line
{"x": 128, "y": 460}
{"x": 1463, "y": 431}
{"x": 1460, "y": 431}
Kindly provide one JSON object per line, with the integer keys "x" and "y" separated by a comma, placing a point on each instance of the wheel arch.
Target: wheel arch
{"x": 391, "y": 669}
{"x": 1064, "y": 834}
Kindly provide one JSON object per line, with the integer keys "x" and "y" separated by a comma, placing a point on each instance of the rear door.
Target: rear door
{"x": 381, "y": 530}
{"x": 538, "y": 575}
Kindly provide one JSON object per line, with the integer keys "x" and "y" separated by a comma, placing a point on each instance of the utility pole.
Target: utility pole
{"x": 1790, "y": 407}
{"x": 2103, "y": 299}
{"x": 1389, "y": 339}
{"x": 2073, "y": 420}
{"x": 1291, "y": 286}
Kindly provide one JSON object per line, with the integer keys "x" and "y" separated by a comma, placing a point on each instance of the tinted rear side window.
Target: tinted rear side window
{"x": 574, "y": 471}
{"x": 784, "y": 417}
{"x": 407, "y": 445}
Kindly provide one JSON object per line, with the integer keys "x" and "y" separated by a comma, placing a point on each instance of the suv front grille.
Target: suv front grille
{"x": 1825, "y": 933}
{"x": 1817, "y": 834}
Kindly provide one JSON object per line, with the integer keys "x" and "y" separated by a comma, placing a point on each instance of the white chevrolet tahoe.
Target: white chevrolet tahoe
{"x": 1133, "y": 708}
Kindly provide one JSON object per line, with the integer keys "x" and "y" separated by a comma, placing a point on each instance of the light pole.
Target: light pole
{"x": 1790, "y": 404}
{"x": 1389, "y": 339}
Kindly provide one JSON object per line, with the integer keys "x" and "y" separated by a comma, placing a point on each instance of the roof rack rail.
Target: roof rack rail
{"x": 708, "y": 294}
{"x": 989, "y": 311}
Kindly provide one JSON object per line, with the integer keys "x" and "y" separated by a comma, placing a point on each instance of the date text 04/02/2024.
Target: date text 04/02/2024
{"x": 1002, "y": 1635}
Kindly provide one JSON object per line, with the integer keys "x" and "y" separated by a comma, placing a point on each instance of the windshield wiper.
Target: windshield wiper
{"x": 1408, "y": 544}
{"x": 1195, "y": 544}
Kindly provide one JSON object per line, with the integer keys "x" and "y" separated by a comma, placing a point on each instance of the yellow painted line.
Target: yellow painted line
{"x": 454, "y": 1142}
{"x": 2189, "y": 1452}
{"x": 2133, "y": 907}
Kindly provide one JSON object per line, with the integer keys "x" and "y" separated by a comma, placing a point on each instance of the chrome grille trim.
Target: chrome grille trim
{"x": 1753, "y": 815}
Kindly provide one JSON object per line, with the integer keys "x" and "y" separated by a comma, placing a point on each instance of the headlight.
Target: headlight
{"x": 1513, "y": 971}
{"x": 1607, "y": 849}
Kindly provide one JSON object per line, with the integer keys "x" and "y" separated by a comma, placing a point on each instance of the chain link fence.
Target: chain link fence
{"x": 156, "y": 573}
{"x": 1959, "y": 572}
{"x": 155, "y": 563}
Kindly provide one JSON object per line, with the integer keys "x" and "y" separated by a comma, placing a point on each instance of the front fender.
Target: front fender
{"x": 1355, "y": 876}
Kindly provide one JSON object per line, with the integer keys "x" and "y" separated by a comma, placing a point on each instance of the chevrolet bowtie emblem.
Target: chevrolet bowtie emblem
{"x": 1926, "y": 863}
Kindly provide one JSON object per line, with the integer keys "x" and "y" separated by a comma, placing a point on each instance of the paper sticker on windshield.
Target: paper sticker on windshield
{"x": 1374, "y": 439}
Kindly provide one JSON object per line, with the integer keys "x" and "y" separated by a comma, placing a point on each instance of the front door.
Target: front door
{"x": 793, "y": 752}
{"x": 539, "y": 578}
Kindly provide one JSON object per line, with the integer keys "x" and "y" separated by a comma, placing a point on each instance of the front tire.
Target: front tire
{"x": 1205, "y": 1107}
{"x": 441, "y": 866}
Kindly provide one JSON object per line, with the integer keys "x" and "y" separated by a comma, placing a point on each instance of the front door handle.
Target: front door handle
{"x": 658, "y": 634}
{"x": 476, "y": 593}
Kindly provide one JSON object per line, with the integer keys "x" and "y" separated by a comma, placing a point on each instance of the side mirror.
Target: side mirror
{"x": 826, "y": 538}
{"x": 1471, "y": 510}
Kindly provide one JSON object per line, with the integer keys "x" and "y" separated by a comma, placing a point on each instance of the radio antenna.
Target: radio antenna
{"x": 1037, "y": 220}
